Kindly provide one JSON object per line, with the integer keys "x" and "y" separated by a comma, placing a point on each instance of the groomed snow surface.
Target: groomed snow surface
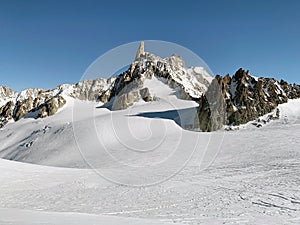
{"x": 146, "y": 169}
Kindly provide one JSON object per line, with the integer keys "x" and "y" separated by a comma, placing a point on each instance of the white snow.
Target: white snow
{"x": 28, "y": 217}
{"x": 279, "y": 90}
{"x": 256, "y": 78}
{"x": 249, "y": 176}
{"x": 194, "y": 80}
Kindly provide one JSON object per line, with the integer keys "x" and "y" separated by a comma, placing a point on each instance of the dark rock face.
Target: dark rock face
{"x": 212, "y": 107}
{"x": 6, "y": 112}
{"x": 245, "y": 98}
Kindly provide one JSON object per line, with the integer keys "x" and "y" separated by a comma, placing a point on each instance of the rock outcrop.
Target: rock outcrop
{"x": 141, "y": 50}
{"x": 5, "y": 93}
{"x": 126, "y": 100}
{"x": 42, "y": 103}
{"x": 6, "y": 113}
{"x": 242, "y": 98}
{"x": 50, "y": 107}
{"x": 145, "y": 94}
{"x": 17, "y": 106}
{"x": 92, "y": 90}
{"x": 212, "y": 108}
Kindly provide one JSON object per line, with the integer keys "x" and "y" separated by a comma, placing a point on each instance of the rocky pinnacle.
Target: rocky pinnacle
{"x": 141, "y": 50}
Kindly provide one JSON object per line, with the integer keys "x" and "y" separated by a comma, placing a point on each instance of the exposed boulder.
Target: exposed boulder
{"x": 126, "y": 100}
{"x": 130, "y": 94}
{"x": 145, "y": 94}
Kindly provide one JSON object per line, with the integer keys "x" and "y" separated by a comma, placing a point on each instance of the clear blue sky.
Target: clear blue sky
{"x": 46, "y": 43}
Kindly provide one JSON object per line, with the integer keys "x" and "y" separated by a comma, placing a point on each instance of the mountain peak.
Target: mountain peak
{"x": 141, "y": 50}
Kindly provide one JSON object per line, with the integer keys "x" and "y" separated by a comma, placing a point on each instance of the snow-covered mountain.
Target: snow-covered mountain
{"x": 120, "y": 91}
{"x": 222, "y": 100}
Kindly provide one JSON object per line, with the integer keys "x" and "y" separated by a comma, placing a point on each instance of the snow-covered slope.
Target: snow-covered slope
{"x": 253, "y": 175}
{"x": 51, "y": 140}
{"x": 29, "y": 217}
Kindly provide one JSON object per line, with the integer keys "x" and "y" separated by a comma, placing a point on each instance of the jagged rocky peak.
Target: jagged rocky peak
{"x": 189, "y": 83}
{"x": 6, "y": 92}
{"x": 241, "y": 98}
{"x": 141, "y": 50}
{"x": 37, "y": 102}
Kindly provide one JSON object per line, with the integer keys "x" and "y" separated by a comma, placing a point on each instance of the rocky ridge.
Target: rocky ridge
{"x": 222, "y": 100}
{"x": 120, "y": 92}
{"x": 242, "y": 98}
{"x": 40, "y": 103}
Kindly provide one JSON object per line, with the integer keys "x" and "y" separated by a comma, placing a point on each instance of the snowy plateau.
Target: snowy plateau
{"x": 86, "y": 165}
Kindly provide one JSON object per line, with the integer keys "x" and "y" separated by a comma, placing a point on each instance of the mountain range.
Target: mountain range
{"x": 222, "y": 101}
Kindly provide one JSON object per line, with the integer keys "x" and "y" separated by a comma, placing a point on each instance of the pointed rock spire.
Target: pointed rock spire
{"x": 141, "y": 50}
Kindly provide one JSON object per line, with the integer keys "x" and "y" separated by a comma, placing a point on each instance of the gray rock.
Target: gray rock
{"x": 145, "y": 94}
{"x": 126, "y": 100}
{"x": 212, "y": 108}
{"x": 91, "y": 90}
{"x": 22, "y": 108}
{"x": 241, "y": 99}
